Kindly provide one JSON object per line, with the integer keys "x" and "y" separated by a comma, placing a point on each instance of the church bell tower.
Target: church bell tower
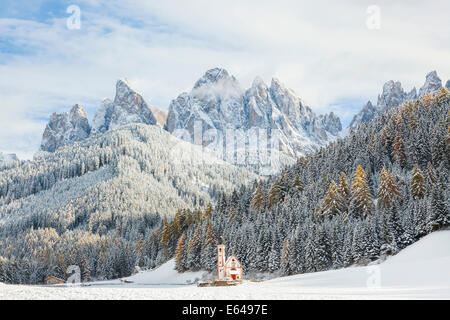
{"x": 220, "y": 262}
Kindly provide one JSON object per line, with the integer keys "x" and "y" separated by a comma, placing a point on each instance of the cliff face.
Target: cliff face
{"x": 128, "y": 107}
{"x": 218, "y": 103}
{"x": 65, "y": 128}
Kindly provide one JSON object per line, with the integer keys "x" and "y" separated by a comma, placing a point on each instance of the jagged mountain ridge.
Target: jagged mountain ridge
{"x": 69, "y": 127}
{"x": 218, "y": 103}
{"x": 394, "y": 95}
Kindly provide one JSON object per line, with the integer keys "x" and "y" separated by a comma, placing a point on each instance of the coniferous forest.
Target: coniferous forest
{"x": 361, "y": 198}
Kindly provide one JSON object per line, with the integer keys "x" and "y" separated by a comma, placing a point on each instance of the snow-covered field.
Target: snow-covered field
{"x": 421, "y": 271}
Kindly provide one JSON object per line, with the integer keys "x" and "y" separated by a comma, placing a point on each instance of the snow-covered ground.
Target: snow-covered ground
{"x": 421, "y": 271}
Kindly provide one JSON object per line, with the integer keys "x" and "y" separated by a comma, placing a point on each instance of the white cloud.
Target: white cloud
{"x": 322, "y": 50}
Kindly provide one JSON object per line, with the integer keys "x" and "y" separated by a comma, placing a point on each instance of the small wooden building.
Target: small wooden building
{"x": 54, "y": 280}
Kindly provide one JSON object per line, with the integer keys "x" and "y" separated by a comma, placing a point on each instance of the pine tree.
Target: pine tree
{"x": 274, "y": 259}
{"x": 180, "y": 259}
{"x": 85, "y": 271}
{"x": 232, "y": 215}
{"x": 420, "y": 218}
{"x": 347, "y": 254}
{"x": 361, "y": 197}
{"x": 408, "y": 236}
{"x": 438, "y": 216}
{"x": 209, "y": 249}
{"x": 139, "y": 251}
{"x": 286, "y": 268}
{"x": 332, "y": 202}
{"x": 322, "y": 252}
{"x": 194, "y": 252}
{"x": 165, "y": 236}
{"x": 310, "y": 254}
{"x": 275, "y": 193}
{"x": 431, "y": 176}
{"x": 344, "y": 190}
{"x": 417, "y": 183}
{"x": 398, "y": 150}
{"x": 396, "y": 226}
{"x": 357, "y": 250}
{"x": 177, "y": 221}
{"x": 258, "y": 199}
{"x": 208, "y": 212}
{"x": 388, "y": 192}
{"x": 297, "y": 185}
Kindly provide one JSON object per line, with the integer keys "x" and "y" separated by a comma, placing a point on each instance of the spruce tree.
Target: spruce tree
{"x": 275, "y": 193}
{"x": 258, "y": 199}
{"x": 194, "y": 252}
{"x": 165, "y": 236}
{"x": 417, "y": 183}
{"x": 388, "y": 192}
{"x": 286, "y": 268}
{"x": 438, "y": 216}
{"x": 209, "y": 250}
{"x": 332, "y": 202}
{"x": 398, "y": 152}
{"x": 297, "y": 185}
{"x": 344, "y": 190}
{"x": 180, "y": 259}
{"x": 361, "y": 201}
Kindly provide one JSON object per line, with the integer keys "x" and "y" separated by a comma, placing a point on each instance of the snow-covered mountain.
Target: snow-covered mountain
{"x": 8, "y": 157}
{"x": 65, "y": 128}
{"x": 128, "y": 107}
{"x": 393, "y": 95}
{"x": 218, "y": 106}
{"x": 129, "y": 172}
{"x": 68, "y": 127}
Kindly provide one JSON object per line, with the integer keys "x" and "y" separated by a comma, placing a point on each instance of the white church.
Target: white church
{"x": 228, "y": 269}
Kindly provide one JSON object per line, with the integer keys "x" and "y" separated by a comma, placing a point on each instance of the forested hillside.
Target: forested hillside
{"x": 96, "y": 203}
{"x": 360, "y": 199}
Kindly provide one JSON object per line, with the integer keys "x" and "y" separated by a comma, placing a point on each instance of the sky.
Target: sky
{"x": 336, "y": 55}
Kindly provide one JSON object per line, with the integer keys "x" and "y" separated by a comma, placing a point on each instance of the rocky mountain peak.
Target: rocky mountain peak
{"x": 123, "y": 90}
{"x": 332, "y": 123}
{"x": 394, "y": 95}
{"x": 217, "y": 85}
{"x": 65, "y": 128}
{"x": 128, "y": 107}
{"x": 432, "y": 83}
{"x": 447, "y": 85}
{"x": 219, "y": 104}
{"x": 212, "y": 77}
